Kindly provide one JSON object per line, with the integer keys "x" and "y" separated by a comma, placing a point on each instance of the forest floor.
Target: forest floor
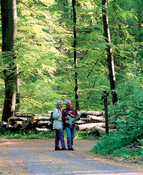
{"x": 37, "y": 157}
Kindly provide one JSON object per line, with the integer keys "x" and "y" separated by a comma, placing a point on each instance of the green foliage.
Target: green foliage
{"x": 127, "y": 116}
{"x": 112, "y": 142}
{"x": 129, "y": 153}
{"x": 83, "y": 135}
{"x": 45, "y": 54}
{"x": 132, "y": 151}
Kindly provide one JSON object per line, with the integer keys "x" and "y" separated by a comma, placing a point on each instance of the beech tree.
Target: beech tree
{"x": 45, "y": 49}
{"x": 75, "y": 53}
{"x": 110, "y": 57}
{"x": 9, "y": 30}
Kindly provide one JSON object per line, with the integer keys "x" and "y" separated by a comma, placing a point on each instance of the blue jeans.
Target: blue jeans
{"x": 70, "y": 136}
{"x": 59, "y": 137}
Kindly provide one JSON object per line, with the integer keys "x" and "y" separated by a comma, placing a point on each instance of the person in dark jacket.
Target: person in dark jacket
{"x": 69, "y": 116}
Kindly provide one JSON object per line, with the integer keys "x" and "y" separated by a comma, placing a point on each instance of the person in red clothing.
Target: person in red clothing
{"x": 69, "y": 116}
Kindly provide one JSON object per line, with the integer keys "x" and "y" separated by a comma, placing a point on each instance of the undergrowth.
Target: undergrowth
{"x": 32, "y": 134}
{"x": 22, "y": 134}
{"x": 127, "y": 119}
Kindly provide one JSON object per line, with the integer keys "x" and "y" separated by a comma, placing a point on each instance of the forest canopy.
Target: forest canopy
{"x": 45, "y": 47}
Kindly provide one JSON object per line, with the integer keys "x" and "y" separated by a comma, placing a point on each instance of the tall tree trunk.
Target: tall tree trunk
{"x": 110, "y": 57}
{"x": 9, "y": 29}
{"x": 17, "y": 109}
{"x": 75, "y": 54}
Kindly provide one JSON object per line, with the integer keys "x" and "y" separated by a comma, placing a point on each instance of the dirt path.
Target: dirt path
{"x": 37, "y": 157}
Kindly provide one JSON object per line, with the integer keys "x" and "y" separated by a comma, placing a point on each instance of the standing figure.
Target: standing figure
{"x": 69, "y": 116}
{"x": 58, "y": 126}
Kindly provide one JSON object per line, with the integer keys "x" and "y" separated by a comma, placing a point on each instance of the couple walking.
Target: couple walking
{"x": 66, "y": 118}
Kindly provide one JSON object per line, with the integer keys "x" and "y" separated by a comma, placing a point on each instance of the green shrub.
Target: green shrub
{"x": 112, "y": 142}
{"x": 127, "y": 153}
{"x": 128, "y": 114}
{"x": 126, "y": 117}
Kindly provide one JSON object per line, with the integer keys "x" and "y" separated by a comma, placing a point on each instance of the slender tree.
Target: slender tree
{"x": 140, "y": 34}
{"x": 110, "y": 57}
{"x": 9, "y": 29}
{"x": 139, "y": 16}
{"x": 17, "y": 109}
{"x": 75, "y": 53}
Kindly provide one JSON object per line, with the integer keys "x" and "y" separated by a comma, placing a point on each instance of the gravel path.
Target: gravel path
{"x": 37, "y": 157}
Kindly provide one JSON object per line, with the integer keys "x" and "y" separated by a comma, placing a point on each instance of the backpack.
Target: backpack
{"x": 51, "y": 117}
{"x": 51, "y": 120}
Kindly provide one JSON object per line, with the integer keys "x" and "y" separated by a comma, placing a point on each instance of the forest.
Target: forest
{"x": 74, "y": 49}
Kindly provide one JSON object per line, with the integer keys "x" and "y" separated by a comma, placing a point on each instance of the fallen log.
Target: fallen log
{"x": 90, "y": 126}
{"x": 47, "y": 115}
{"x": 41, "y": 115}
{"x": 95, "y": 132}
{"x": 11, "y": 122}
{"x": 96, "y": 118}
{"x": 96, "y": 113}
{"x": 25, "y": 125}
{"x": 27, "y": 115}
{"x": 40, "y": 118}
{"x": 34, "y": 119}
{"x": 44, "y": 122}
{"x": 41, "y": 129}
{"x": 17, "y": 119}
{"x": 49, "y": 112}
{"x": 4, "y": 123}
{"x": 84, "y": 119}
{"x": 9, "y": 126}
{"x": 18, "y": 124}
{"x": 80, "y": 122}
{"x": 100, "y": 129}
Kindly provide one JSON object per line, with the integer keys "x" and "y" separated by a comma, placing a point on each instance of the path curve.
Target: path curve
{"x": 37, "y": 157}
